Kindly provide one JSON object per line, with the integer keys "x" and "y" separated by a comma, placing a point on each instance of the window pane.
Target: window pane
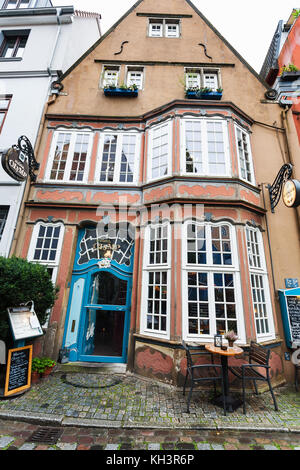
{"x": 193, "y": 141}
{"x": 79, "y": 157}
{"x": 3, "y": 217}
{"x": 157, "y": 301}
{"x": 196, "y": 244}
{"x": 128, "y": 158}
{"x": 198, "y": 306}
{"x": 244, "y": 155}
{"x": 47, "y": 243}
{"x": 216, "y": 148}
{"x": 60, "y": 156}
{"x": 109, "y": 158}
{"x": 160, "y": 151}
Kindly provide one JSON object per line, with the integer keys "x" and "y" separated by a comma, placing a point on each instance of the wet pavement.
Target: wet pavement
{"x": 119, "y": 411}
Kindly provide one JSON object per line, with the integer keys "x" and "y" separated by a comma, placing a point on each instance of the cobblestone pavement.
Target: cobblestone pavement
{"x": 16, "y": 435}
{"x": 97, "y": 411}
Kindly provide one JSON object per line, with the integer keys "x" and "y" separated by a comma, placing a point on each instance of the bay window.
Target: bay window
{"x": 205, "y": 147}
{"x": 211, "y": 281}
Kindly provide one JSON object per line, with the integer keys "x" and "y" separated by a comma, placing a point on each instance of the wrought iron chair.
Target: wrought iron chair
{"x": 215, "y": 371}
{"x": 258, "y": 357}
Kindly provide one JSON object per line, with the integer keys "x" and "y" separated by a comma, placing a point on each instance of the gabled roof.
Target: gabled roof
{"x": 196, "y": 11}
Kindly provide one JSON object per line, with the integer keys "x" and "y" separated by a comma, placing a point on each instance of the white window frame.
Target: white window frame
{"x": 262, "y": 272}
{"x": 135, "y": 69}
{"x": 164, "y": 23}
{"x": 251, "y": 168}
{"x": 109, "y": 81}
{"x": 67, "y": 171}
{"x": 54, "y": 264}
{"x": 3, "y": 221}
{"x": 160, "y": 267}
{"x": 169, "y": 127}
{"x": 200, "y": 73}
{"x": 116, "y": 179}
{"x": 211, "y": 269}
{"x": 204, "y": 147}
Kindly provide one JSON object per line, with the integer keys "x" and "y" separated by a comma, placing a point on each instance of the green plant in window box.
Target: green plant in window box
{"x": 289, "y": 68}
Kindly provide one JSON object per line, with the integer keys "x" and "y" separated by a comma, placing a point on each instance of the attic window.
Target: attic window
{"x": 110, "y": 76}
{"x": 168, "y": 28}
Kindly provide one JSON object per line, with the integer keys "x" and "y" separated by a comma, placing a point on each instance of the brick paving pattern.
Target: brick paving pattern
{"x": 126, "y": 412}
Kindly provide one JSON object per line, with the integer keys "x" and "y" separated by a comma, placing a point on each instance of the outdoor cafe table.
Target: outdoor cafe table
{"x": 231, "y": 402}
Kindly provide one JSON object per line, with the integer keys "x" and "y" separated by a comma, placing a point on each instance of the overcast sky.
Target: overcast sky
{"x": 248, "y": 26}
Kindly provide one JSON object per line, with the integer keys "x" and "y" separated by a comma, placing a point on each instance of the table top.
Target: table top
{"x": 235, "y": 350}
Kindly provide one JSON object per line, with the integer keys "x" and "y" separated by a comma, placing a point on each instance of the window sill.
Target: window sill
{"x": 11, "y": 59}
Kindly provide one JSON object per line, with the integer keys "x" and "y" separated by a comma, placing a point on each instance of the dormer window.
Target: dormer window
{"x": 12, "y": 4}
{"x": 168, "y": 28}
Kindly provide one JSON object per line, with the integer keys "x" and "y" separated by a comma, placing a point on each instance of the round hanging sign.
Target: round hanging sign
{"x": 15, "y": 164}
{"x": 291, "y": 193}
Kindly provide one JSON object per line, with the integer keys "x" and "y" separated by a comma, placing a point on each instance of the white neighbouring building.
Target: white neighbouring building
{"x": 38, "y": 42}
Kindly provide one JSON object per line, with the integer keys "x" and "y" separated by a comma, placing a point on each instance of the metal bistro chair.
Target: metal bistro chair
{"x": 258, "y": 357}
{"x": 191, "y": 353}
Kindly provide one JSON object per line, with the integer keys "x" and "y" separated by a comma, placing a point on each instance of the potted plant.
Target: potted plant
{"x": 37, "y": 368}
{"x": 289, "y": 73}
{"x": 48, "y": 364}
{"x": 231, "y": 337}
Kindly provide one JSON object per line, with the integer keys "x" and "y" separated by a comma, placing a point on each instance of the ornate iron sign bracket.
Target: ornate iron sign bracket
{"x": 26, "y": 148}
{"x": 275, "y": 189}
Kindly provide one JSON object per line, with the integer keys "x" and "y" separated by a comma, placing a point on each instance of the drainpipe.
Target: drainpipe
{"x": 292, "y": 145}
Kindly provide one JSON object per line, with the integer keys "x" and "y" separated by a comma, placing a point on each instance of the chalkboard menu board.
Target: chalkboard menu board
{"x": 290, "y": 312}
{"x": 293, "y": 305}
{"x": 18, "y": 372}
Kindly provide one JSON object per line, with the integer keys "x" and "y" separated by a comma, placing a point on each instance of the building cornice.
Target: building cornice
{"x": 154, "y": 112}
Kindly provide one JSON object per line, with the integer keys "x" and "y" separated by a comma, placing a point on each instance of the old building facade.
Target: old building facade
{"x": 151, "y": 206}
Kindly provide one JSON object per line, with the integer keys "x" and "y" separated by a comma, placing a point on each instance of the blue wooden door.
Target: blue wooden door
{"x": 105, "y": 318}
{"x": 98, "y": 317}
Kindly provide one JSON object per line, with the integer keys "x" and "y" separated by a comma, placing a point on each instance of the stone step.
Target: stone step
{"x": 90, "y": 368}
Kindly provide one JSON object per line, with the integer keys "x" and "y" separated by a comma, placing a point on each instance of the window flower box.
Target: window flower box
{"x": 204, "y": 94}
{"x": 130, "y": 92}
{"x": 290, "y": 76}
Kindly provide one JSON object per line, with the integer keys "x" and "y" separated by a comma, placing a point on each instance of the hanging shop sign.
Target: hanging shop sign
{"x": 291, "y": 193}
{"x": 18, "y": 371}
{"x": 275, "y": 190}
{"x": 19, "y": 161}
{"x": 15, "y": 164}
